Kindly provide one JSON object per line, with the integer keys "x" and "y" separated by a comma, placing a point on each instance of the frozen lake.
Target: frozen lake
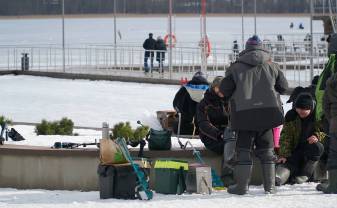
{"x": 221, "y": 30}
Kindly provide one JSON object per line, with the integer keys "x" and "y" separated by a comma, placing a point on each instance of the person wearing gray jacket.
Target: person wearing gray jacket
{"x": 253, "y": 85}
{"x": 330, "y": 112}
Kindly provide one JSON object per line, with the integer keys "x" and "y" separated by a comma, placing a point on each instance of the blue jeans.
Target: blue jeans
{"x": 146, "y": 57}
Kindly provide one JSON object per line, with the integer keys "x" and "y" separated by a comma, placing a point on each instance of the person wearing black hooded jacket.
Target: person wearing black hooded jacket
{"x": 212, "y": 118}
{"x": 185, "y": 102}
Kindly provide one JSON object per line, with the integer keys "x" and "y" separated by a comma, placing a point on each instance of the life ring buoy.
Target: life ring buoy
{"x": 167, "y": 40}
{"x": 208, "y": 47}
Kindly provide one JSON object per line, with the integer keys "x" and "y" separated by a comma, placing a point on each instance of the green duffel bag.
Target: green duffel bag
{"x": 159, "y": 140}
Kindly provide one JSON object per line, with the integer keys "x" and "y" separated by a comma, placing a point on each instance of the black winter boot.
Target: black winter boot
{"x": 242, "y": 177}
{"x": 227, "y": 176}
{"x": 282, "y": 175}
{"x": 322, "y": 186}
{"x": 331, "y": 188}
{"x": 268, "y": 172}
{"x": 307, "y": 172}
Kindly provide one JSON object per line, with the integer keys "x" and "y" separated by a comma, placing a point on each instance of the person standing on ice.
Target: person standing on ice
{"x": 253, "y": 84}
{"x": 149, "y": 46}
{"x": 330, "y": 111}
{"x": 160, "y": 47}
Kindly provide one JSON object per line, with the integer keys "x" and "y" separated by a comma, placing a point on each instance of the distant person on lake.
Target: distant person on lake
{"x": 149, "y": 46}
{"x": 160, "y": 47}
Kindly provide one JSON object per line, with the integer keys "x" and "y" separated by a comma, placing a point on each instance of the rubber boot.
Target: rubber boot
{"x": 331, "y": 188}
{"x": 242, "y": 175}
{"x": 227, "y": 176}
{"x": 307, "y": 172}
{"x": 268, "y": 173}
{"x": 323, "y": 185}
{"x": 282, "y": 175}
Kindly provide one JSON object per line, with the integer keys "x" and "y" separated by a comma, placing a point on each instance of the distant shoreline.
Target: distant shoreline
{"x": 79, "y": 16}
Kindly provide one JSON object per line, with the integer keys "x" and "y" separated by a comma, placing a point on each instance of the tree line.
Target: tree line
{"x": 52, "y": 7}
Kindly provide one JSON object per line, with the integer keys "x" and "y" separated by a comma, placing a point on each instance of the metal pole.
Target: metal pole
{"x": 254, "y": 17}
{"x": 170, "y": 38}
{"x": 204, "y": 36}
{"x": 115, "y": 36}
{"x": 311, "y": 40}
{"x": 242, "y": 25}
{"x": 63, "y": 40}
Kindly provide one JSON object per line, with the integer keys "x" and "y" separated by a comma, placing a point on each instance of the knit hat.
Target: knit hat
{"x": 217, "y": 81}
{"x": 295, "y": 93}
{"x": 198, "y": 73}
{"x": 253, "y": 42}
{"x": 304, "y": 101}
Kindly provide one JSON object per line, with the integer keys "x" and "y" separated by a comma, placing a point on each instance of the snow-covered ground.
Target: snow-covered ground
{"x": 87, "y": 103}
{"x": 299, "y": 196}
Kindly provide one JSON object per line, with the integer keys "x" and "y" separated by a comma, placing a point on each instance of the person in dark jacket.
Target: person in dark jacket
{"x": 212, "y": 118}
{"x": 253, "y": 84}
{"x": 149, "y": 45}
{"x": 330, "y": 111}
{"x": 160, "y": 47}
{"x": 185, "y": 102}
{"x": 301, "y": 143}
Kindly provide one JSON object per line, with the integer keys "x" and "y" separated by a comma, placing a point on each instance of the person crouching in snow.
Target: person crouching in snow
{"x": 300, "y": 143}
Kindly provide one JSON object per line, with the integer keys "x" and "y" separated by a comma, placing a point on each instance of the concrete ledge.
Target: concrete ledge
{"x": 30, "y": 167}
{"x": 62, "y": 75}
{"x": 6, "y": 72}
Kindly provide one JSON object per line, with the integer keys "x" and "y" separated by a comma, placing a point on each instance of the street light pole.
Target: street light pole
{"x": 170, "y": 38}
{"x": 242, "y": 25}
{"x": 254, "y": 17}
{"x": 115, "y": 36}
{"x": 311, "y": 40}
{"x": 63, "y": 40}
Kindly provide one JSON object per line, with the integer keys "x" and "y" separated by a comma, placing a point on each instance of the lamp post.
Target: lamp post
{"x": 254, "y": 17}
{"x": 63, "y": 40}
{"x": 242, "y": 25}
{"x": 204, "y": 39}
{"x": 311, "y": 40}
{"x": 170, "y": 37}
{"x": 115, "y": 36}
